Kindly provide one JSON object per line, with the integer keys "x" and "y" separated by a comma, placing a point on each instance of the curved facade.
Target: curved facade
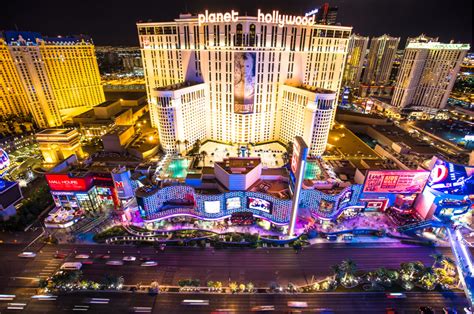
{"x": 245, "y": 63}
{"x": 154, "y": 203}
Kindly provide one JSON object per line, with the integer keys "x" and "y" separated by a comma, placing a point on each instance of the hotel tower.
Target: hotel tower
{"x": 243, "y": 79}
{"x": 48, "y": 78}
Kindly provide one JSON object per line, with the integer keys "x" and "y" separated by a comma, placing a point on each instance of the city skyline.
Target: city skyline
{"x": 367, "y": 17}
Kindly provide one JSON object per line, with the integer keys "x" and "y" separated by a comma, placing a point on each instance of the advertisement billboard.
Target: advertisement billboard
{"x": 233, "y": 203}
{"x": 451, "y": 178}
{"x": 259, "y": 204}
{"x": 212, "y": 207}
{"x": 395, "y": 181}
{"x": 345, "y": 198}
{"x": 244, "y": 81}
{"x": 62, "y": 182}
{"x": 4, "y": 160}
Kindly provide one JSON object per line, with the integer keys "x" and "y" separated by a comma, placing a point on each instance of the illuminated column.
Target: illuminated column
{"x": 298, "y": 161}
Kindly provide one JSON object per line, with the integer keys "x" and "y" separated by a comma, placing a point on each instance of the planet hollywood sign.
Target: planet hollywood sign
{"x": 275, "y": 17}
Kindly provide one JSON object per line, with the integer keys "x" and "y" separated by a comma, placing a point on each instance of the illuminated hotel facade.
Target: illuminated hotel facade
{"x": 427, "y": 74}
{"x": 243, "y": 65}
{"x": 355, "y": 60}
{"x": 380, "y": 60}
{"x": 49, "y": 78}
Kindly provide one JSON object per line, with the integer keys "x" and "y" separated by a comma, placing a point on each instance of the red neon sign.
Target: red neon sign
{"x": 62, "y": 182}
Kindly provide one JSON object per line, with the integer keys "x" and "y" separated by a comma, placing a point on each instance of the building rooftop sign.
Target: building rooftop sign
{"x": 436, "y": 45}
{"x": 274, "y": 17}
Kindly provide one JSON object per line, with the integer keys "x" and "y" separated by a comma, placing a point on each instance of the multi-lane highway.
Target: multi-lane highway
{"x": 261, "y": 266}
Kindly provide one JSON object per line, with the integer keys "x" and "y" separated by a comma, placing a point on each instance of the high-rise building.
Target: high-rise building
{"x": 380, "y": 60}
{"x": 355, "y": 60}
{"x": 244, "y": 63}
{"x": 326, "y": 14}
{"x": 421, "y": 39}
{"x": 427, "y": 74}
{"x": 49, "y": 78}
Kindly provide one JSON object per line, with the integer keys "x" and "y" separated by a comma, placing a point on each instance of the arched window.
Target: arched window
{"x": 239, "y": 35}
{"x": 252, "y": 35}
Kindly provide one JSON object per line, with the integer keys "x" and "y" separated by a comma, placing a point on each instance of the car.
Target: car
{"x": 88, "y": 262}
{"x": 27, "y": 255}
{"x": 396, "y": 295}
{"x": 390, "y": 310}
{"x": 149, "y": 264}
{"x": 195, "y": 302}
{"x": 105, "y": 257}
{"x": 60, "y": 255}
{"x": 449, "y": 310}
{"x": 332, "y": 237}
{"x": 114, "y": 263}
{"x": 82, "y": 256}
{"x": 129, "y": 258}
{"x": 71, "y": 266}
{"x": 426, "y": 310}
{"x": 263, "y": 308}
{"x": 297, "y": 304}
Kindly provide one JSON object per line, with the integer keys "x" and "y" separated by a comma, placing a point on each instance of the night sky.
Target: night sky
{"x": 112, "y": 22}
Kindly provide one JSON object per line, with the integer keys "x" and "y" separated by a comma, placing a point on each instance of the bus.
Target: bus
{"x": 71, "y": 266}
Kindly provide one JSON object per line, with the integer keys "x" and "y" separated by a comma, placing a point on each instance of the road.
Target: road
{"x": 260, "y": 266}
{"x": 172, "y": 303}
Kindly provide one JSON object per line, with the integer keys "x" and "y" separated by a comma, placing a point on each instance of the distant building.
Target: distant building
{"x": 10, "y": 195}
{"x": 421, "y": 39}
{"x": 427, "y": 75}
{"x": 380, "y": 60}
{"x": 355, "y": 60}
{"x": 59, "y": 144}
{"x": 327, "y": 15}
{"x": 49, "y": 78}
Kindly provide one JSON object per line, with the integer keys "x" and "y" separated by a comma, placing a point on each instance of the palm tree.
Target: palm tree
{"x": 203, "y": 156}
{"x": 349, "y": 267}
{"x": 438, "y": 258}
{"x": 178, "y": 145}
{"x": 337, "y": 271}
{"x": 186, "y": 143}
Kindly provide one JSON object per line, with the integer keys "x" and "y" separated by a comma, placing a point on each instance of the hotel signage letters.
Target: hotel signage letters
{"x": 275, "y": 17}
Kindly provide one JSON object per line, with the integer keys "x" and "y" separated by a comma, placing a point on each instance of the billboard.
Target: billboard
{"x": 259, "y": 204}
{"x": 395, "y": 181}
{"x": 4, "y": 160}
{"x": 244, "y": 81}
{"x": 233, "y": 203}
{"x": 62, "y": 182}
{"x": 212, "y": 207}
{"x": 451, "y": 178}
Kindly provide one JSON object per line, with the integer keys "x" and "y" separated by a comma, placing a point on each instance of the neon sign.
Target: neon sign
{"x": 312, "y": 12}
{"x": 217, "y": 17}
{"x": 275, "y": 17}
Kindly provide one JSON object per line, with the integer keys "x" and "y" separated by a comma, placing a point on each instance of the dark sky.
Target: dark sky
{"x": 112, "y": 22}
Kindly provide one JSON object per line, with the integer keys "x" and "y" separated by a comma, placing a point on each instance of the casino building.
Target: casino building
{"x": 242, "y": 79}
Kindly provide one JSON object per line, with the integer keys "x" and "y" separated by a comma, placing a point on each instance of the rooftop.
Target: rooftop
{"x": 55, "y": 132}
{"x": 106, "y": 103}
{"x": 177, "y": 86}
{"x": 238, "y": 165}
{"x": 112, "y": 95}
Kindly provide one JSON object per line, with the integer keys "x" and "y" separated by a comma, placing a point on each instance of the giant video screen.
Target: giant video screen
{"x": 395, "y": 181}
{"x": 233, "y": 203}
{"x": 451, "y": 178}
{"x": 244, "y": 81}
{"x": 259, "y": 204}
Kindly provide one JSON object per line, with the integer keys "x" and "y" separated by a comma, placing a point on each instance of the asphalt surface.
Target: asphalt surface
{"x": 20, "y": 276}
{"x": 244, "y": 303}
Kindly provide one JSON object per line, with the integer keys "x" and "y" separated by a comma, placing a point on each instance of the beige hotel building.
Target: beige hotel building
{"x": 245, "y": 79}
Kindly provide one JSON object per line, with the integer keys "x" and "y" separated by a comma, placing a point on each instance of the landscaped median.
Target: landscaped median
{"x": 197, "y": 237}
{"x": 411, "y": 276}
